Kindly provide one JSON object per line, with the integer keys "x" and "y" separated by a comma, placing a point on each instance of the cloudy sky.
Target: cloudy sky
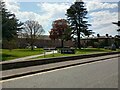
{"x": 101, "y": 14}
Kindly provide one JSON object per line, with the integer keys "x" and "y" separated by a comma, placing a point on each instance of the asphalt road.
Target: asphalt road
{"x": 102, "y": 74}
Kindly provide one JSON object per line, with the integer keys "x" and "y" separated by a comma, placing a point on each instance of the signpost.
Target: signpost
{"x": 49, "y": 49}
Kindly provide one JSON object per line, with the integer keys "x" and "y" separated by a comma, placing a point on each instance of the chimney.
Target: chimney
{"x": 78, "y": 1}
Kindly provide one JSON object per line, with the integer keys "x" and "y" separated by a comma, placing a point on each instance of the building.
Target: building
{"x": 44, "y": 41}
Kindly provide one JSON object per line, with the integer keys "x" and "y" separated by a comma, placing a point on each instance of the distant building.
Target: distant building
{"x": 45, "y": 41}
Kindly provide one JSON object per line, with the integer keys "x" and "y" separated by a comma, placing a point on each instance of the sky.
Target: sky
{"x": 101, "y": 13}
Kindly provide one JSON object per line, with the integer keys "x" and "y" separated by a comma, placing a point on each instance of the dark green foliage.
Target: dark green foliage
{"x": 117, "y": 23}
{"x": 77, "y": 21}
{"x": 88, "y": 32}
{"x": 98, "y": 35}
{"x": 10, "y": 24}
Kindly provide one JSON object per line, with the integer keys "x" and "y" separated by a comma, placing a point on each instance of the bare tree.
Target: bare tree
{"x": 32, "y": 30}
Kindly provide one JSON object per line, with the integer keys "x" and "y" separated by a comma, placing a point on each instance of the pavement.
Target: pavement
{"x": 101, "y": 74}
{"x": 30, "y": 57}
{"x": 8, "y": 74}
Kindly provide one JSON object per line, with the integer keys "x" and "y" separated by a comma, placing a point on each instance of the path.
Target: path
{"x": 33, "y": 56}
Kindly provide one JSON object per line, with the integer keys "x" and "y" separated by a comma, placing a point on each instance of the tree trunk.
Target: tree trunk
{"x": 62, "y": 43}
{"x": 78, "y": 40}
{"x": 32, "y": 46}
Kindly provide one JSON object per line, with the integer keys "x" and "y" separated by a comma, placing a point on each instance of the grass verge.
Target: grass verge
{"x": 18, "y": 53}
{"x": 78, "y": 52}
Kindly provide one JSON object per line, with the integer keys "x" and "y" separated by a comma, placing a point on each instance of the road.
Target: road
{"x": 102, "y": 74}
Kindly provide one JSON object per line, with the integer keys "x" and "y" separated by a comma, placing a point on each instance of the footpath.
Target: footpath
{"x": 56, "y": 63}
{"x": 30, "y": 57}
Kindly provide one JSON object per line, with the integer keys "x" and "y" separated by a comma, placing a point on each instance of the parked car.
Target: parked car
{"x": 30, "y": 46}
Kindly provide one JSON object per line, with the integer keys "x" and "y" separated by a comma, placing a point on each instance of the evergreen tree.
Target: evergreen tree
{"x": 10, "y": 24}
{"x": 118, "y": 24}
{"x": 76, "y": 18}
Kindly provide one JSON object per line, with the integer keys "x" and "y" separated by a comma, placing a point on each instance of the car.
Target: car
{"x": 30, "y": 46}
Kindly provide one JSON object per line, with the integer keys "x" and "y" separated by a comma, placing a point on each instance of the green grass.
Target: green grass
{"x": 78, "y": 52}
{"x": 91, "y": 50}
{"x": 17, "y": 53}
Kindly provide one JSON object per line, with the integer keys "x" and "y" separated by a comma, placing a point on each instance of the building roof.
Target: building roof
{"x": 95, "y": 37}
{"x": 46, "y": 37}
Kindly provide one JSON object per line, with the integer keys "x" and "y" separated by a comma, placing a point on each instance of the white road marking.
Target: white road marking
{"x": 50, "y": 71}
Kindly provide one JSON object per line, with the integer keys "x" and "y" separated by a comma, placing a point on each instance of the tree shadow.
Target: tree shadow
{"x": 6, "y": 57}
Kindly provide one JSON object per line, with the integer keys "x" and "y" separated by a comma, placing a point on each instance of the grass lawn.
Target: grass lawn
{"x": 78, "y": 52}
{"x": 17, "y": 53}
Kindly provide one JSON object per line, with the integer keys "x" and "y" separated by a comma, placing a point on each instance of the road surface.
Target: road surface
{"x": 102, "y": 74}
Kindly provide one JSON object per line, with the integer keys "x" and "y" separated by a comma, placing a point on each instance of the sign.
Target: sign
{"x": 49, "y": 49}
{"x": 67, "y": 51}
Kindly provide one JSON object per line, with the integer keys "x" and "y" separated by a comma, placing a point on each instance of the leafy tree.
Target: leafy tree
{"x": 98, "y": 35}
{"x": 117, "y": 39}
{"x": 60, "y": 30}
{"x": 88, "y": 32}
{"x": 77, "y": 20}
{"x": 32, "y": 30}
{"x": 107, "y": 35}
{"x": 10, "y": 24}
{"x": 107, "y": 40}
